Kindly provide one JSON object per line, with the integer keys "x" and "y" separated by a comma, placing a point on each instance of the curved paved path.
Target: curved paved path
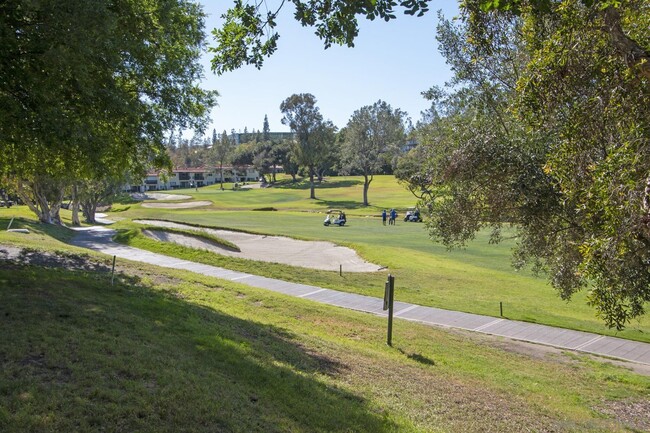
{"x": 99, "y": 239}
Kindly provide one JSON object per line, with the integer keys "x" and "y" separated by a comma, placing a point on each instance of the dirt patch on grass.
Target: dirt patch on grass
{"x": 434, "y": 399}
{"x": 635, "y": 414}
{"x": 14, "y": 257}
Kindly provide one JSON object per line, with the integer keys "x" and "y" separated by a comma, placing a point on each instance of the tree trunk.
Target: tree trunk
{"x": 38, "y": 203}
{"x": 43, "y": 215}
{"x": 311, "y": 183}
{"x": 89, "y": 211}
{"x": 55, "y": 215}
{"x": 366, "y": 186}
{"x": 221, "y": 170}
{"x": 632, "y": 53}
{"x": 75, "y": 206}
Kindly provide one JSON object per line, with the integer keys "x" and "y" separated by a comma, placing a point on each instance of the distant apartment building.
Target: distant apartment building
{"x": 193, "y": 178}
{"x": 245, "y": 137}
{"x": 410, "y": 144}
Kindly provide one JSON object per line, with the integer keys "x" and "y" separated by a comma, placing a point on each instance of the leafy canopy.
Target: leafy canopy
{"x": 249, "y": 32}
{"x": 93, "y": 86}
{"x": 371, "y": 139}
{"x": 547, "y": 128}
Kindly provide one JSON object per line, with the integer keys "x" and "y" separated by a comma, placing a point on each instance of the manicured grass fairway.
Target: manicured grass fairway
{"x": 337, "y": 192}
{"x": 474, "y": 280}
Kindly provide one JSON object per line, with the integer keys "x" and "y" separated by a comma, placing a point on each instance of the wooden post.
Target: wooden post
{"x": 389, "y": 296}
{"x": 501, "y": 309}
{"x": 113, "y": 271}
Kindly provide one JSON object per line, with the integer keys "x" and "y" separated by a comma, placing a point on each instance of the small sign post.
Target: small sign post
{"x": 113, "y": 271}
{"x": 389, "y": 295}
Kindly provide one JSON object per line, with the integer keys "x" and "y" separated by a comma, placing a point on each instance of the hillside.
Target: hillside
{"x": 169, "y": 351}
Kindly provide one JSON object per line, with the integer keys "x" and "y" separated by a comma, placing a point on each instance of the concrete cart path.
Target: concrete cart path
{"x": 99, "y": 239}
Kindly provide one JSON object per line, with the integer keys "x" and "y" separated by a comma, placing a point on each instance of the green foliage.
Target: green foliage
{"x": 222, "y": 152}
{"x": 547, "y": 128}
{"x": 248, "y": 33}
{"x": 93, "y": 87}
{"x": 314, "y": 136}
{"x": 371, "y": 140}
{"x": 239, "y": 41}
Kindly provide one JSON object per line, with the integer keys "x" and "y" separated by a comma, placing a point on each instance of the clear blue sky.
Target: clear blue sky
{"x": 392, "y": 61}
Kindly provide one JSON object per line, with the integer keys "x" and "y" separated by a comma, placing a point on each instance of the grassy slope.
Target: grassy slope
{"x": 474, "y": 280}
{"x": 338, "y": 192}
{"x": 166, "y": 351}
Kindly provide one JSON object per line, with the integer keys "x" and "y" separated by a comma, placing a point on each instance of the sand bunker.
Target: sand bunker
{"x": 276, "y": 249}
{"x": 183, "y": 205}
{"x": 160, "y": 196}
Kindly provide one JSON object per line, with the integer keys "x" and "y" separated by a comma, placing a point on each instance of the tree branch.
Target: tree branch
{"x": 637, "y": 58}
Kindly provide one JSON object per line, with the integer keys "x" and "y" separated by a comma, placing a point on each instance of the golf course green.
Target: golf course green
{"x": 477, "y": 279}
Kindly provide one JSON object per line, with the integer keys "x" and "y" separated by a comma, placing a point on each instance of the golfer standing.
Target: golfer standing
{"x": 393, "y": 217}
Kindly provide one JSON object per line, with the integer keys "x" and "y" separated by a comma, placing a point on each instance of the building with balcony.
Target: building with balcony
{"x": 181, "y": 178}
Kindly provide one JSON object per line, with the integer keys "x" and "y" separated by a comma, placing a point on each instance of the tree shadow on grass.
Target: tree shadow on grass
{"x": 340, "y": 204}
{"x": 30, "y": 257}
{"x": 304, "y": 184}
{"x": 147, "y": 360}
{"x": 58, "y": 232}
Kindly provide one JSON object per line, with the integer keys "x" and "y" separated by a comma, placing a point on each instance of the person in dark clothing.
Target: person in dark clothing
{"x": 393, "y": 217}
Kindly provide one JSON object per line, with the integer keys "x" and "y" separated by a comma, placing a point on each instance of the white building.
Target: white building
{"x": 193, "y": 178}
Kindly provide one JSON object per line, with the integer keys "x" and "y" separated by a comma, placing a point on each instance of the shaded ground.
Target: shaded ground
{"x": 275, "y": 249}
{"x": 11, "y": 256}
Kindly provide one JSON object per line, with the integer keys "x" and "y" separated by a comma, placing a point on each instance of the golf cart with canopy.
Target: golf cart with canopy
{"x": 413, "y": 215}
{"x": 338, "y": 220}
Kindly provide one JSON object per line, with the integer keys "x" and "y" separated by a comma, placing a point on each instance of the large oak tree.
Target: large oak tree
{"x": 313, "y": 134}
{"x": 89, "y": 88}
{"x": 547, "y": 128}
{"x": 371, "y": 139}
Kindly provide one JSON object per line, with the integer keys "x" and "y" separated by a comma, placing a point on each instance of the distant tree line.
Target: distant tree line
{"x": 369, "y": 144}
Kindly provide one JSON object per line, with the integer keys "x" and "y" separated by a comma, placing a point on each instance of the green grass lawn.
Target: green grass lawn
{"x": 169, "y": 351}
{"x": 335, "y": 192}
{"x": 476, "y": 279}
